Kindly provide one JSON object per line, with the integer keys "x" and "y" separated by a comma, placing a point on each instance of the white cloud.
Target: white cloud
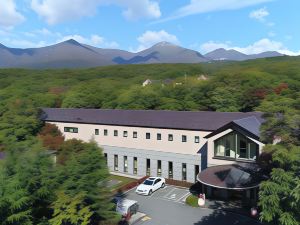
{"x": 262, "y": 45}
{"x": 56, "y": 11}
{"x": 150, "y": 38}
{"x": 9, "y": 17}
{"x": 259, "y": 14}
{"x": 212, "y": 45}
{"x": 136, "y": 9}
{"x": 48, "y": 33}
{"x": 94, "y": 40}
{"x": 206, "y": 6}
{"x": 21, "y": 43}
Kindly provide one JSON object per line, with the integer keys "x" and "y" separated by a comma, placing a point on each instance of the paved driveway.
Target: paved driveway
{"x": 166, "y": 207}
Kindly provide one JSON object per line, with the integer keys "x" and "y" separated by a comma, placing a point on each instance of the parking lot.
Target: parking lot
{"x": 171, "y": 193}
{"x": 167, "y": 207}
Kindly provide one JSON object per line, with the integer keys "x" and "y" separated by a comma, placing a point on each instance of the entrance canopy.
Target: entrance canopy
{"x": 236, "y": 176}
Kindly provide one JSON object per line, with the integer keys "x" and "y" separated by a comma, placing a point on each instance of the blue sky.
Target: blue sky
{"x": 250, "y": 26}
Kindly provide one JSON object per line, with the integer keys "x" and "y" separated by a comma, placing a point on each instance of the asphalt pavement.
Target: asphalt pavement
{"x": 167, "y": 207}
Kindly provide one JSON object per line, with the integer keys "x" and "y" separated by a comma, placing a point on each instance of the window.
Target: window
{"x": 225, "y": 146}
{"x": 105, "y": 132}
{"x": 115, "y": 133}
{"x": 184, "y": 171}
{"x": 196, "y": 172}
{"x": 170, "y": 137}
{"x": 158, "y": 168}
{"x": 184, "y": 138}
{"x": 157, "y": 180}
{"x": 253, "y": 150}
{"x": 147, "y": 135}
{"x": 125, "y": 164}
{"x": 170, "y": 169}
{"x": 116, "y": 166}
{"x": 235, "y": 146}
{"x": 158, "y": 136}
{"x": 134, "y": 165}
{"x": 96, "y": 131}
{"x": 125, "y": 133}
{"x": 197, "y": 139}
{"x": 243, "y": 148}
{"x": 105, "y": 156}
{"x": 134, "y": 135}
{"x": 71, "y": 129}
{"x": 148, "y": 167}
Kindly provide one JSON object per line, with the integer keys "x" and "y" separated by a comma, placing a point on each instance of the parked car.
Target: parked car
{"x": 127, "y": 207}
{"x": 150, "y": 185}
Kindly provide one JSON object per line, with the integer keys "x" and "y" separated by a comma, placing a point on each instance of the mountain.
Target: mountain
{"x": 266, "y": 55}
{"x": 223, "y": 54}
{"x": 66, "y": 54}
{"x": 163, "y": 52}
{"x": 72, "y": 54}
{"x": 233, "y": 55}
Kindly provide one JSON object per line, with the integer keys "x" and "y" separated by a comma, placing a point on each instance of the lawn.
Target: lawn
{"x": 116, "y": 182}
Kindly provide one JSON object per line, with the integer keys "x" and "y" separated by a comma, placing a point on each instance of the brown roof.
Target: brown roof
{"x": 236, "y": 176}
{"x": 184, "y": 120}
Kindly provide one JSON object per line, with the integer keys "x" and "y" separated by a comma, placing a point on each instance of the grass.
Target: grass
{"x": 192, "y": 200}
{"x": 123, "y": 181}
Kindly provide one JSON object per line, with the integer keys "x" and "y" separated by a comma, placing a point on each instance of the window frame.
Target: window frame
{"x": 96, "y": 132}
{"x": 105, "y": 132}
{"x": 170, "y": 170}
{"x": 73, "y": 130}
{"x": 134, "y": 134}
{"x": 125, "y": 133}
{"x": 184, "y": 171}
{"x": 125, "y": 162}
{"x": 116, "y": 133}
{"x": 135, "y": 165}
{"x": 159, "y": 165}
{"x": 170, "y": 137}
{"x": 197, "y": 139}
{"x": 116, "y": 163}
{"x": 148, "y": 135}
{"x": 237, "y": 139}
{"x": 183, "y": 138}
{"x": 158, "y": 136}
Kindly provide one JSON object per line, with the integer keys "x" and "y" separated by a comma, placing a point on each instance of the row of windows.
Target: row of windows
{"x": 148, "y": 167}
{"x": 148, "y": 135}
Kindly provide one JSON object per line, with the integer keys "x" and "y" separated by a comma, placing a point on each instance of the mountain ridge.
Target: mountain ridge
{"x": 72, "y": 54}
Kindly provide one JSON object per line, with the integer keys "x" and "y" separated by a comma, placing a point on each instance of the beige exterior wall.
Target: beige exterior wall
{"x": 86, "y": 132}
{"x": 175, "y": 150}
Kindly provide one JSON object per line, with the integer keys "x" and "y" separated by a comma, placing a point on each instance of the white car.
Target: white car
{"x": 150, "y": 185}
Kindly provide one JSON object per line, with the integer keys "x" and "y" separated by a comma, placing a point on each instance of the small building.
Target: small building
{"x": 162, "y": 82}
{"x": 185, "y": 146}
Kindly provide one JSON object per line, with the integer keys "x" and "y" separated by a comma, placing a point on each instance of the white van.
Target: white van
{"x": 127, "y": 207}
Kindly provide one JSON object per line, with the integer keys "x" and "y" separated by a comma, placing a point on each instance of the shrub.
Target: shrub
{"x": 192, "y": 200}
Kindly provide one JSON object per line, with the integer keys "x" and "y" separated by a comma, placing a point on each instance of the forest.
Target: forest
{"x": 59, "y": 195}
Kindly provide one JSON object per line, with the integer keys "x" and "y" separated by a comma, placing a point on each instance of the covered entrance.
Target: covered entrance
{"x": 237, "y": 182}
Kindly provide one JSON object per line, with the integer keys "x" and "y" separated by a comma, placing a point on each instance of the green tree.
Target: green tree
{"x": 71, "y": 210}
{"x": 279, "y": 197}
{"x": 27, "y": 187}
{"x": 85, "y": 171}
